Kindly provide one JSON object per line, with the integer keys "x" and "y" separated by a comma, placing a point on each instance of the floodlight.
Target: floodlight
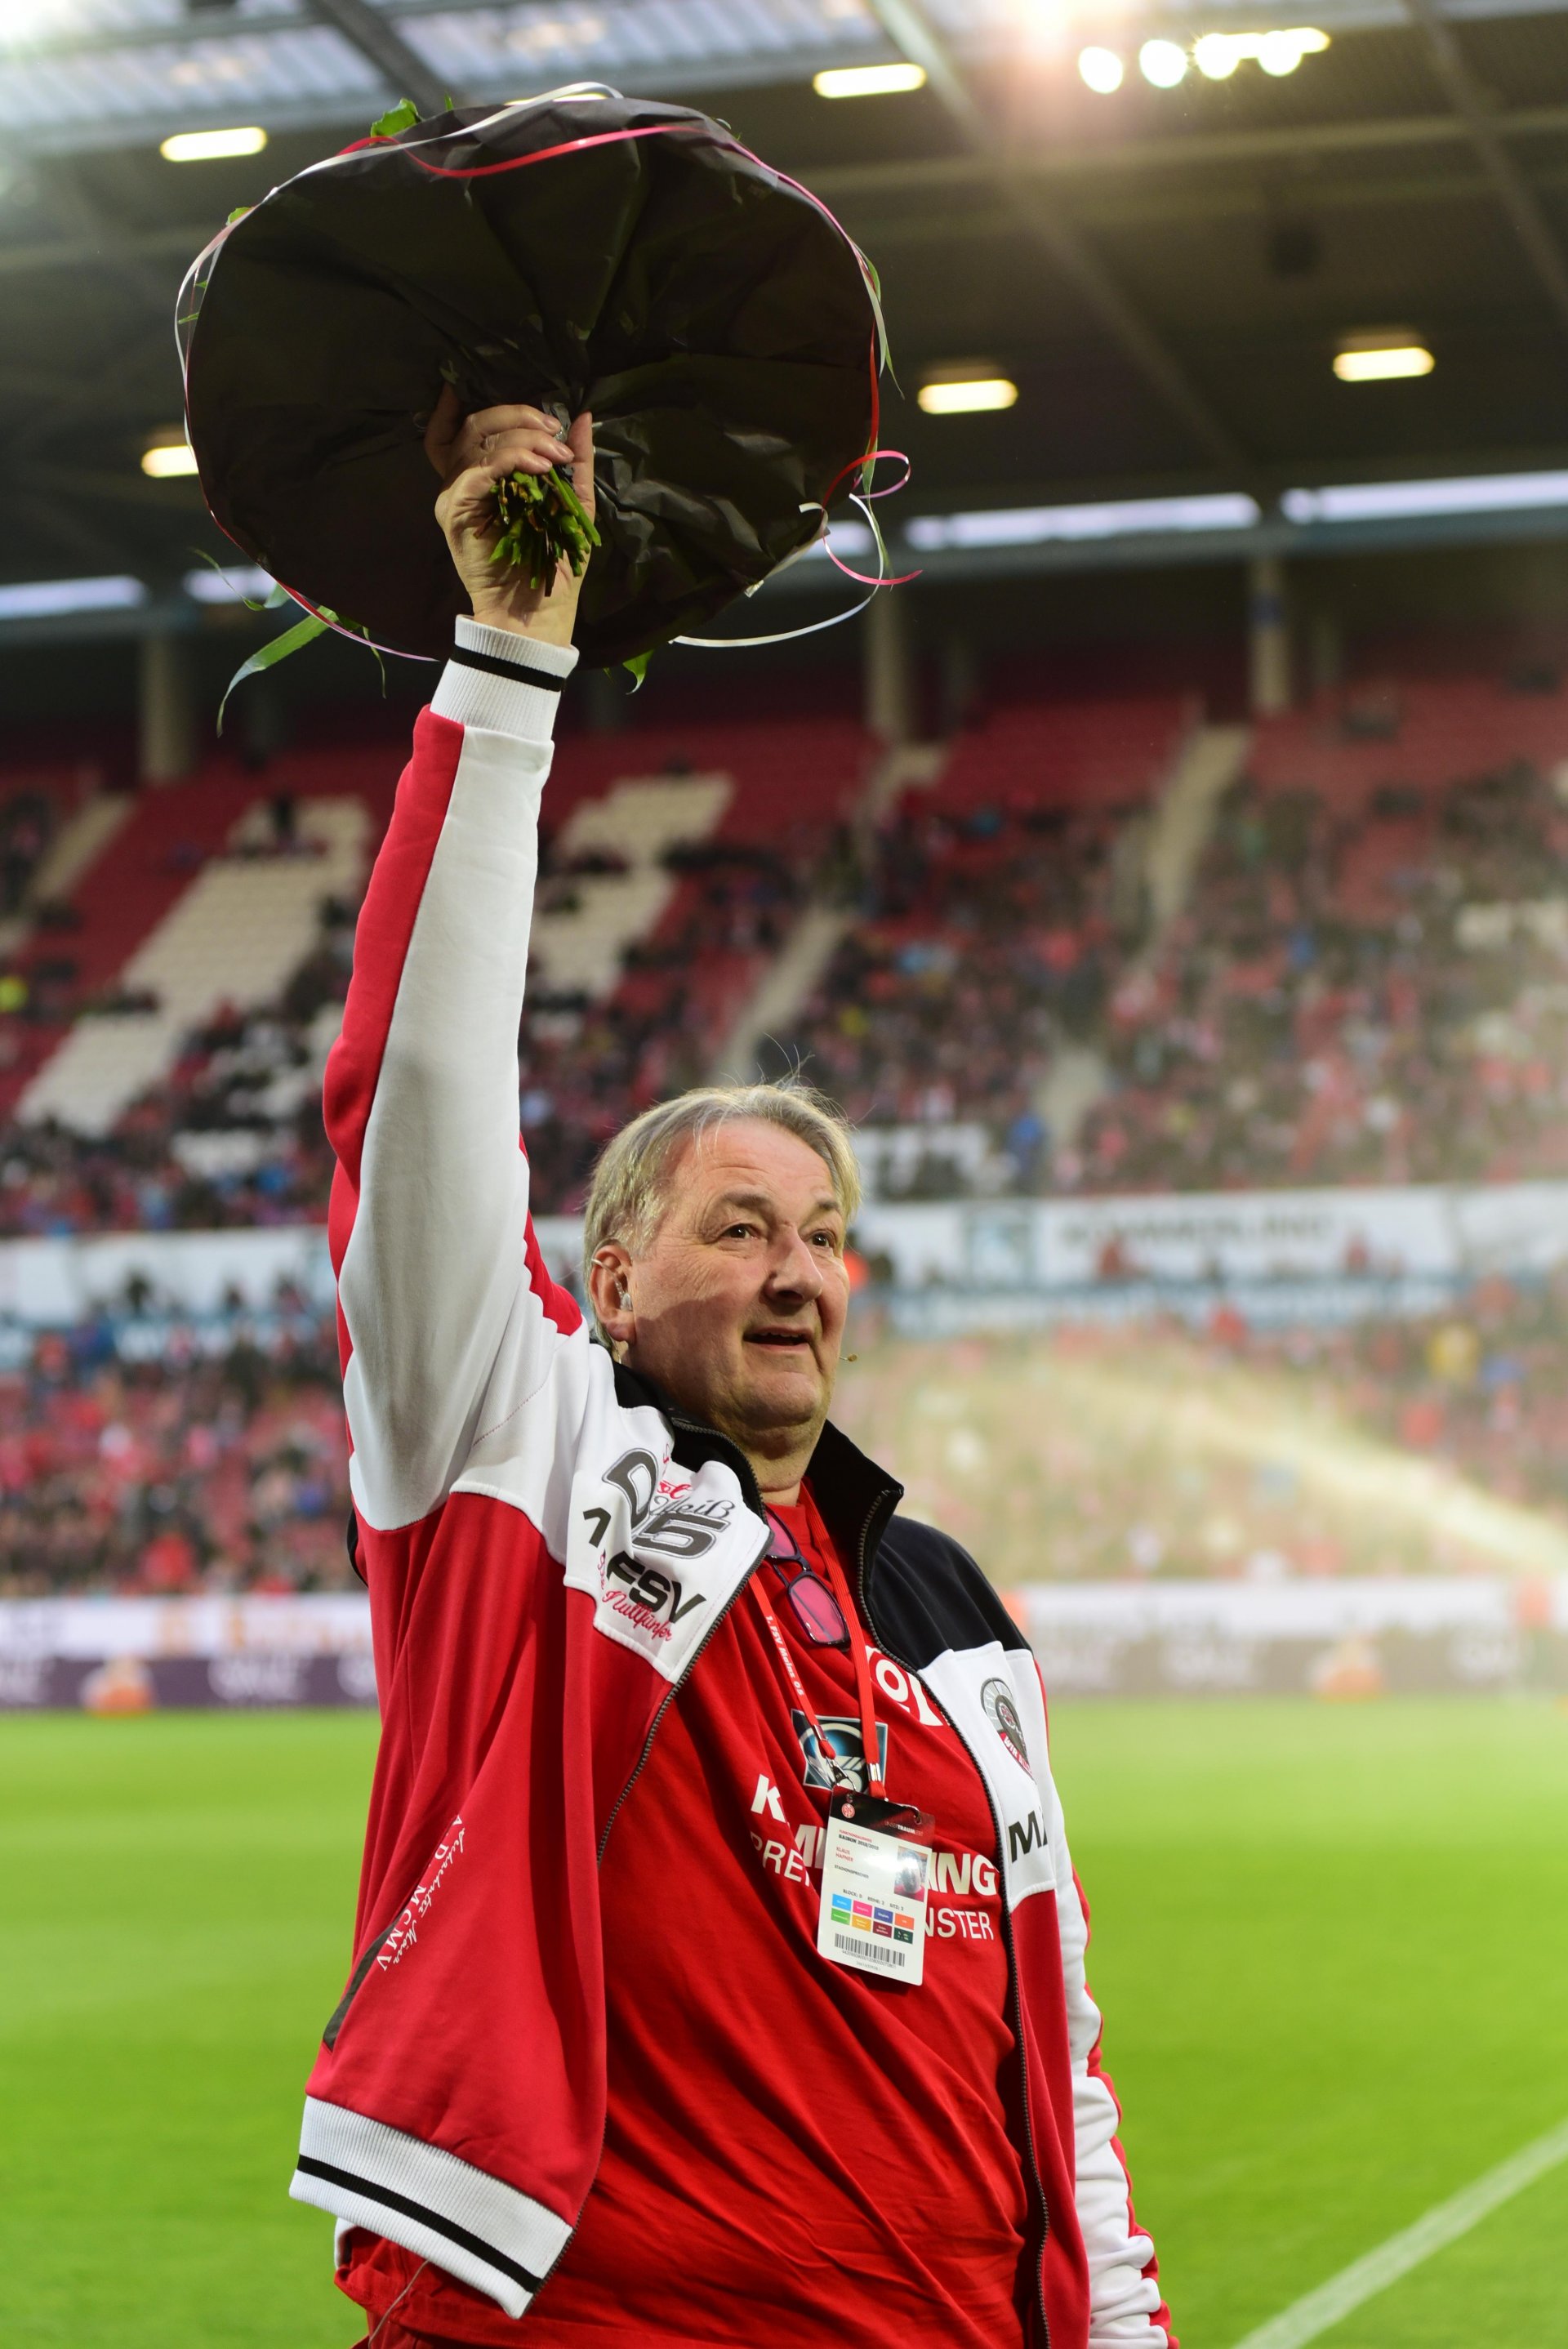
{"x": 1398, "y": 500}
{"x": 868, "y": 81}
{"x": 1102, "y": 70}
{"x": 166, "y": 461}
{"x": 1279, "y": 54}
{"x": 44, "y": 599}
{"x": 1164, "y": 63}
{"x": 237, "y": 586}
{"x": 1382, "y": 362}
{"x": 968, "y": 397}
{"x": 1106, "y": 518}
{"x": 1217, "y": 55}
{"x": 209, "y": 146}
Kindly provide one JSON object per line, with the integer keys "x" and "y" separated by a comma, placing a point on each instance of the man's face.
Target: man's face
{"x": 737, "y": 1304}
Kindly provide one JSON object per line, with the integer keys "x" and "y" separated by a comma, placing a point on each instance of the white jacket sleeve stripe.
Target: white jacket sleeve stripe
{"x": 1124, "y": 2295}
{"x": 437, "y": 1251}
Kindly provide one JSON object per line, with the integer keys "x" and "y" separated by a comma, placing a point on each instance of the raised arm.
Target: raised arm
{"x": 430, "y": 1211}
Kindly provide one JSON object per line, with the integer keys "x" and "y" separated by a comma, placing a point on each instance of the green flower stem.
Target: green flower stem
{"x": 544, "y": 524}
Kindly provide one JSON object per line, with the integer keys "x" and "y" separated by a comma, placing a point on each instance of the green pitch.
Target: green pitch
{"x": 1331, "y": 1945}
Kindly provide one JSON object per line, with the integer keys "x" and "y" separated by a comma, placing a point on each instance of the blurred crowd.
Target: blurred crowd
{"x": 148, "y": 1456}
{"x": 586, "y": 1066}
{"x": 1367, "y": 991}
{"x": 984, "y": 940}
{"x": 1479, "y": 1388}
{"x": 1380, "y": 996}
{"x": 134, "y": 1461}
{"x": 232, "y": 1134}
{"x": 27, "y": 823}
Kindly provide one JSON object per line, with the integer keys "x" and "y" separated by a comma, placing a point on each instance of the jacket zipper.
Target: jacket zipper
{"x": 753, "y": 1499}
{"x": 674, "y": 1691}
{"x": 1014, "y": 1996}
{"x": 664, "y": 1703}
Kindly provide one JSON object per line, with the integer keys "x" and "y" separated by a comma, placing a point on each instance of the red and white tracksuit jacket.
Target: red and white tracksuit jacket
{"x": 548, "y": 1545}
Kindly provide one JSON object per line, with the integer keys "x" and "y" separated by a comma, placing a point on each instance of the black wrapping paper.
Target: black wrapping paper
{"x": 718, "y": 323}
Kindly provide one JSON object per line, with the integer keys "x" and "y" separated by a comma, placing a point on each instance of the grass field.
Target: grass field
{"x": 1331, "y": 1946}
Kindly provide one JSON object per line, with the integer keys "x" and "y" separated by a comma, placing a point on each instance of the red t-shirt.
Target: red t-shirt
{"x": 788, "y": 2143}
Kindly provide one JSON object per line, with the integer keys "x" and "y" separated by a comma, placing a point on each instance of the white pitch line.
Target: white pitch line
{"x": 1305, "y": 2319}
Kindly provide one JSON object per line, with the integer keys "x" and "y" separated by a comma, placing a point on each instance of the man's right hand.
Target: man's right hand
{"x": 471, "y": 453}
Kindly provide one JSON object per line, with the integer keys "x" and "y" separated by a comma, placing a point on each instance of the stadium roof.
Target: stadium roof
{"x": 1166, "y": 273}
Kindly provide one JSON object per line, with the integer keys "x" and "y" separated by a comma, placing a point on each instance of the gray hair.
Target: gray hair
{"x": 629, "y": 1194}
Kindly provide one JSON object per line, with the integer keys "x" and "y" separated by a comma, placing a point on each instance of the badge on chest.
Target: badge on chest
{"x": 876, "y": 1868}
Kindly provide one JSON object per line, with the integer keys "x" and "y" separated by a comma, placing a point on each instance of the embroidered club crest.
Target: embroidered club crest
{"x": 1002, "y": 1713}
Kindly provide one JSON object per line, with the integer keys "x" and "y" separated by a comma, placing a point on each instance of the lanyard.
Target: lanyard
{"x": 871, "y": 1746}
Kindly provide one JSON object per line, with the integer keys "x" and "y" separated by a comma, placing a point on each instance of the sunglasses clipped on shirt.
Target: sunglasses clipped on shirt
{"x": 812, "y": 1604}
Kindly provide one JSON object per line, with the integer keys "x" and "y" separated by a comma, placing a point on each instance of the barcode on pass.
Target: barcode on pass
{"x": 855, "y": 1947}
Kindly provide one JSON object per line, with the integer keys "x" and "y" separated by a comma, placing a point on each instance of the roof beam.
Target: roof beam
{"x": 1115, "y": 159}
{"x": 939, "y": 175}
{"x": 906, "y": 25}
{"x": 396, "y": 59}
{"x": 81, "y": 538}
{"x": 106, "y": 240}
{"x": 847, "y": 185}
{"x": 174, "y": 497}
{"x": 61, "y": 252}
{"x": 1512, "y": 189}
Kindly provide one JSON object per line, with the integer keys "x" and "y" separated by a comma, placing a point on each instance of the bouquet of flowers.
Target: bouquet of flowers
{"x": 579, "y": 249}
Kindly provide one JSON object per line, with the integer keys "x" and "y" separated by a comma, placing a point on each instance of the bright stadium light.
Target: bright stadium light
{"x": 1105, "y": 518}
{"x": 1383, "y": 361}
{"x": 868, "y": 81}
{"x": 1278, "y": 54}
{"x": 48, "y": 599}
{"x": 1163, "y": 63}
{"x": 1102, "y": 70}
{"x": 1462, "y": 493}
{"x": 967, "y": 396}
{"x": 209, "y": 146}
{"x": 237, "y": 586}
{"x": 1218, "y": 55}
{"x": 166, "y": 461}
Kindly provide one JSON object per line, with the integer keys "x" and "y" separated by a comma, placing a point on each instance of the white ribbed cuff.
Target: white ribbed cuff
{"x": 478, "y": 2228}
{"x": 506, "y": 683}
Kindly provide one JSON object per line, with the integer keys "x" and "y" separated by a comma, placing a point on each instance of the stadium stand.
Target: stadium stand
{"x": 140, "y": 1453}
{"x": 172, "y": 1470}
{"x": 1367, "y": 983}
{"x": 1346, "y": 966}
{"x": 166, "y": 1071}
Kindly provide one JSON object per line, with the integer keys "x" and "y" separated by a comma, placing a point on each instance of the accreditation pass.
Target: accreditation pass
{"x": 874, "y": 1886}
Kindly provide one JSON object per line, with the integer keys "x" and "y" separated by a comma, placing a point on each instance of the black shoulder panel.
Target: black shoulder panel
{"x": 927, "y": 1595}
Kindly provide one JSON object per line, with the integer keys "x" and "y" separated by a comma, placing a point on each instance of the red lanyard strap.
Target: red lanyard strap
{"x": 871, "y": 1746}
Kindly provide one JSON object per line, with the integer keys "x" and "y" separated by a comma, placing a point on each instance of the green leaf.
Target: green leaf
{"x": 251, "y": 603}
{"x": 401, "y": 117}
{"x": 638, "y": 665}
{"x": 303, "y": 632}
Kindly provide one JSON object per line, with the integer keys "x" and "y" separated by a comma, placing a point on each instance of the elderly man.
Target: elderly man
{"x": 719, "y": 1961}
